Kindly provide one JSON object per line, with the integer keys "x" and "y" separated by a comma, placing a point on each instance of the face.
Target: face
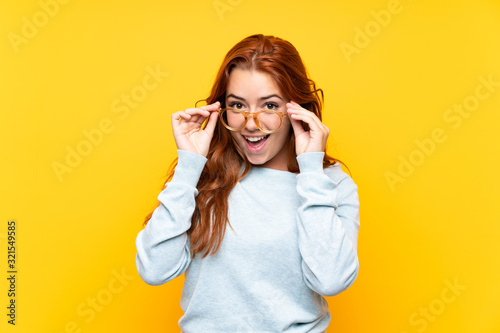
{"x": 254, "y": 91}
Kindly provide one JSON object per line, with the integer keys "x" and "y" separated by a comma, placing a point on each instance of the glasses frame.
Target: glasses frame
{"x": 254, "y": 115}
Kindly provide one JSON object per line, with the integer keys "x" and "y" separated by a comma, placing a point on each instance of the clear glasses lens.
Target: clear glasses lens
{"x": 233, "y": 118}
{"x": 267, "y": 121}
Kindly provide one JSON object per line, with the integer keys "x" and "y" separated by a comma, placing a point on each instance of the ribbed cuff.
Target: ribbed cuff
{"x": 189, "y": 168}
{"x": 311, "y": 162}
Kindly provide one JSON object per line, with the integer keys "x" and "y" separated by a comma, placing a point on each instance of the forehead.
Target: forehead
{"x": 251, "y": 84}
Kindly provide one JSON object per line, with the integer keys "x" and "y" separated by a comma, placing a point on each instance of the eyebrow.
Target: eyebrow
{"x": 260, "y": 99}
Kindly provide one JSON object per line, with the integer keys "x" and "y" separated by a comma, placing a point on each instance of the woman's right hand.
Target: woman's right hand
{"x": 186, "y": 126}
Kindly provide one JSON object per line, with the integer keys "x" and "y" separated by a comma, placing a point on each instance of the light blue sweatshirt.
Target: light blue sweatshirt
{"x": 295, "y": 242}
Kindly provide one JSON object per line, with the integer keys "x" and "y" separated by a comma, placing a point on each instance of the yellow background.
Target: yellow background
{"x": 437, "y": 225}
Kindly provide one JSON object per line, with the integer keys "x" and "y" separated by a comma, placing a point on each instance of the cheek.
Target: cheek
{"x": 285, "y": 130}
{"x": 286, "y": 125}
{"x": 283, "y": 138}
{"x": 237, "y": 139}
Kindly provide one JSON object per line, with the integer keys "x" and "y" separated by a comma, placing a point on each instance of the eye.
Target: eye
{"x": 271, "y": 106}
{"x": 236, "y": 105}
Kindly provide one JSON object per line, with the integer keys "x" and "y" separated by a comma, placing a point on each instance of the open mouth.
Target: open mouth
{"x": 256, "y": 142}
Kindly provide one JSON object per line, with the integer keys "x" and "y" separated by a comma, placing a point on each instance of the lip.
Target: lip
{"x": 255, "y": 149}
{"x": 254, "y": 136}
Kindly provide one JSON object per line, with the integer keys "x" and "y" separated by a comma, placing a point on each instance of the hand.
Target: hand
{"x": 186, "y": 126}
{"x": 313, "y": 140}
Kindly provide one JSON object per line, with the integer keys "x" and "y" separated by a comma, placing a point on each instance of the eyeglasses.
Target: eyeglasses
{"x": 268, "y": 121}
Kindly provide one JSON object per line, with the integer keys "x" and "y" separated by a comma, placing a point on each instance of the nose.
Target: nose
{"x": 251, "y": 125}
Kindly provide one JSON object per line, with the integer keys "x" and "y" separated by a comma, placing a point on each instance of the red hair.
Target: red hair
{"x": 279, "y": 59}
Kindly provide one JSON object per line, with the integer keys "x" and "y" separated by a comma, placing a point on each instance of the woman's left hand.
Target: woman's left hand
{"x": 313, "y": 140}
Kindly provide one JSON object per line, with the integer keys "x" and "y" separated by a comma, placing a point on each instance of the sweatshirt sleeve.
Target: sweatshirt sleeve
{"x": 328, "y": 224}
{"x": 163, "y": 248}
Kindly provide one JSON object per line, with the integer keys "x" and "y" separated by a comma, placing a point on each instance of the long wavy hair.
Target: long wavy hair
{"x": 279, "y": 59}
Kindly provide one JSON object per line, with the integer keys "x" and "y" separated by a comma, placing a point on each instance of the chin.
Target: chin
{"x": 257, "y": 160}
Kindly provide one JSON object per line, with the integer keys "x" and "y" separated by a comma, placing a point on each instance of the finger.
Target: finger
{"x": 292, "y": 109}
{"x": 198, "y": 115}
{"x": 308, "y": 118}
{"x": 215, "y": 105}
{"x": 211, "y": 107}
{"x": 312, "y": 118}
{"x": 318, "y": 122}
{"x": 198, "y": 111}
{"x": 212, "y": 121}
{"x": 294, "y": 106}
{"x": 297, "y": 126}
{"x": 204, "y": 110}
{"x": 180, "y": 115}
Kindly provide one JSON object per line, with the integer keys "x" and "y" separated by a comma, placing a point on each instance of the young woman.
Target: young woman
{"x": 255, "y": 158}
